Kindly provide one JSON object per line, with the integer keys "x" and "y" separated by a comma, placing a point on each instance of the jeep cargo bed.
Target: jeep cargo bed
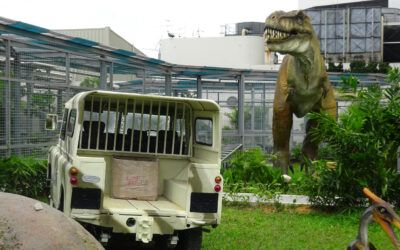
{"x": 160, "y": 207}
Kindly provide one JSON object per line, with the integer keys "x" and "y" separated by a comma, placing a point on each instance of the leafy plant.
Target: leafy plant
{"x": 251, "y": 172}
{"x": 393, "y": 76}
{"x": 90, "y": 82}
{"x": 333, "y": 68}
{"x": 25, "y": 176}
{"x": 358, "y": 67}
{"x": 365, "y": 140}
{"x": 349, "y": 84}
{"x": 384, "y": 67}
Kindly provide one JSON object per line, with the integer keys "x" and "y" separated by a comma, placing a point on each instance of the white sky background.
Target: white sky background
{"x": 143, "y": 23}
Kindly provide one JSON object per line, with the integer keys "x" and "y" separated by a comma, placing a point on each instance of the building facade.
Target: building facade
{"x": 356, "y": 30}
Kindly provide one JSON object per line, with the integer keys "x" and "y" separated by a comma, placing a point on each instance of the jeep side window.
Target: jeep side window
{"x": 204, "y": 131}
{"x": 64, "y": 124}
{"x": 71, "y": 123}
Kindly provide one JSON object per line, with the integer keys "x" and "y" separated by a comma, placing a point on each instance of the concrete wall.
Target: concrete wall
{"x": 394, "y": 4}
{"x": 231, "y": 52}
{"x": 105, "y": 36}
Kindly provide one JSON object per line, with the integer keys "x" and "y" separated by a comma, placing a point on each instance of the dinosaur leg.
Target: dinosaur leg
{"x": 310, "y": 147}
{"x": 328, "y": 104}
{"x": 281, "y": 127}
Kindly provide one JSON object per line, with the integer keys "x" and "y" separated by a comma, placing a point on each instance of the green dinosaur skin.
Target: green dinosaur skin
{"x": 302, "y": 85}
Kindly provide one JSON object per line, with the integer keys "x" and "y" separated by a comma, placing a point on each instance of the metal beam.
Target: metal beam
{"x": 199, "y": 88}
{"x": 103, "y": 74}
{"x": 168, "y": 85}
{"x": 241, "y": 88}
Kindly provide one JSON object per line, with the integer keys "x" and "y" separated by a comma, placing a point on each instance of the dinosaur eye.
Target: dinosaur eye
{"x": 382, "y": 210}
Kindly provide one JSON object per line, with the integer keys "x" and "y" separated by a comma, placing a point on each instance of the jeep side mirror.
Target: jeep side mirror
{"x": 51, "y": 122}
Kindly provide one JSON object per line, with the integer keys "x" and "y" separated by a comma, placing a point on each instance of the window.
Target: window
{"x": 136, "y": 125}
{"x": 204, "y": 131}
{"x": 71, "y": 123}
{"x": 64, "y": 124}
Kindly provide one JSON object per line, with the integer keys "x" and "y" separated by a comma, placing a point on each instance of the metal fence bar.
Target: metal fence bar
{"x": 116, "y": 132}
{"x": 174, "y": 128}
{"x": 99, "y": 123}
{"x": 182, "y": 126}
{"x": 158, "y": 125}
{"x": 166, "y": 127}
{"x": 133, "y": 123}
{"x": 141, "y": 127}
{"x": 107, "y": 122}
{"x": 125, "y": 130}
{"x": 149, "y": 132}
{"x": 90, "y": 122}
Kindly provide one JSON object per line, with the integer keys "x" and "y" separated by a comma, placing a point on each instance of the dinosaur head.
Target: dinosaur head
{"x": 288, "y": 32}
{"x": 384, "y": 215}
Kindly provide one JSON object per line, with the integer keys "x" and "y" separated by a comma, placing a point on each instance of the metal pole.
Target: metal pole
{"x": 241, "y": 89}
{"x": 263, "y": 117}
{"x": 326, "y": 34}
{"x": 382, "y": 30}
{"x": 111, "y": 87}
{"x": 103, "y": 73}
{"x": 252, "y": 107}
{"x": 144, "y": 82}
{"x": 199, "y": 88}
{"x": 7, "y": 99}
{"x": 344, "y": 36}
{"x": 348, "y": 34}
{"x": 372, "y": 35}
{"x": 67, "y": 74}
{"x": 168, "y": 84}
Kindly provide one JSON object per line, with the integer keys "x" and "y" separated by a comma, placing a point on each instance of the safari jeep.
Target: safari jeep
{"x": 139, "y": 165}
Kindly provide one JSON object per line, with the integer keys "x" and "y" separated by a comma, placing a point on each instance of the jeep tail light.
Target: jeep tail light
{"x": 218, "y": 179}
{"x": 73, "y": 171}
{"x": 217, "y": 188}
{"x": 73, "y": 180}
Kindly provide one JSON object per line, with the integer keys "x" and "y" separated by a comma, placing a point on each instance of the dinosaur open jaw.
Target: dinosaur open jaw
{"x": 277, "y": 35}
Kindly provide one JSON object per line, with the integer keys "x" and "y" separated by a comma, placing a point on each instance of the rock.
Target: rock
{"x": 22, "y": 227}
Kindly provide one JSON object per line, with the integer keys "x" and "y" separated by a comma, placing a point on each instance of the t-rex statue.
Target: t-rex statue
{"x": 302, "y": 84}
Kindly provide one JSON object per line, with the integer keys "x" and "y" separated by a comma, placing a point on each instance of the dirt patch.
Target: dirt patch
{"x": 300, "y": 209}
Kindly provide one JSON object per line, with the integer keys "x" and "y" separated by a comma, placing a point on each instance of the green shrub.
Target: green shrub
{"x": 25, "y": 176}
{"x": 251, "y": 166}
{"x": 365, "y": 140}
{"x": 333, "y": 68}
{"x": 383, "y": 67}
{"x": 358, "y": 67}
{"x": 250, "y": 171}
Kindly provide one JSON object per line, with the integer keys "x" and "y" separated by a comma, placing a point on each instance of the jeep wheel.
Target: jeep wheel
{"x": 190, "y": 239}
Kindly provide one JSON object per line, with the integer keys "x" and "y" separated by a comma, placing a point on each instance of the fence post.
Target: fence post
{"x": 8, "y": 99}
{"x": 144, "y": 82}
{"x": 67, "y": 74}
{"x": 168, "y": 84}
{"x": 241, "y": 108}
{"x": 103, "y": 73}
{"x": 199, "y": 88}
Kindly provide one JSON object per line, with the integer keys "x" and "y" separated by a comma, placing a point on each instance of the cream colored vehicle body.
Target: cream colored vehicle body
{"x": 186, "y": 192}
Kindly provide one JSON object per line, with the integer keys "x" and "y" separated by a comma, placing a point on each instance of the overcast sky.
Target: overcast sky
{"x": 143, "y": 22}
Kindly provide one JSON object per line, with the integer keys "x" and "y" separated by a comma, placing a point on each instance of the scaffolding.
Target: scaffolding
{"x": 41, "y": 69}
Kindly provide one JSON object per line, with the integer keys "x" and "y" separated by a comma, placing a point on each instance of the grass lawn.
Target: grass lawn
{"x": 267, "y": 227}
